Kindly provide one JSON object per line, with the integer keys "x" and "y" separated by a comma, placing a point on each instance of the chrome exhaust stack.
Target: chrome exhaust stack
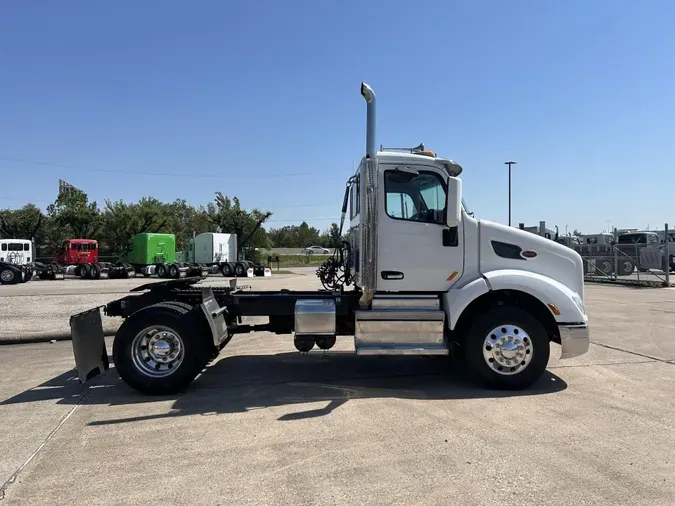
{"x": 371, "y": 120}
{"x": 368, "y": 258}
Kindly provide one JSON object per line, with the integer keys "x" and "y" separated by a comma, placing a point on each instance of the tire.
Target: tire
{"x": 239, "y": 270}
{"x": 84, "y": 271}
{"x": 479, "y": 344}
{"x": 160, "y": 270}
{"x": 186, "y": 327}
{"x": 95, "y": 271}
{"x": 626, "y": 267}
{"x": 9, "y": 275}
{"x": 174, "y": 271}
{"x": 606, "y": 267}
{"x": 29, "y": 275}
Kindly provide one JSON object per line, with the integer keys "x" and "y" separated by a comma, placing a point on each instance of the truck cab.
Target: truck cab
{"x": 16, "y": 257}
{"x": 16, "y": 251}
{"x": 77, "y": 251}
{"x": 432, "y": 275}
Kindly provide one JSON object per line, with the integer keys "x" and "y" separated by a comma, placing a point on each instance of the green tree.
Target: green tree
{"x": 123, "y": 220}
{"x": 186, "y": 220}
{"x": 296, "y": 236}
{"x": 25, "y": 223}
{"x": 72, "y": 216}
{"x": 332, "y": 236}
{"x": 230, "y": 218}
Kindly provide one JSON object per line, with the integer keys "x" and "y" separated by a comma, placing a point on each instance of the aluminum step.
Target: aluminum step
{"x": 396, "y": 330}
{"x": 407, "y": 302}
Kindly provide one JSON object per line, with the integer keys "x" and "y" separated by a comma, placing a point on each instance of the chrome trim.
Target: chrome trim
{"x": 574, "y": 339}
{"x": 368, "y": 255}
{"x": 508, "y": 350}
{"x": 157, "y": 351}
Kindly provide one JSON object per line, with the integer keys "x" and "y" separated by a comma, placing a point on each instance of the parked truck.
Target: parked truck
{"x": 80, "y": 257}
{"x": 434, "y": 281}
{"x": 219, "y": 253}
{"x": 16, "y": 258}
{"x": 599, "y": 253}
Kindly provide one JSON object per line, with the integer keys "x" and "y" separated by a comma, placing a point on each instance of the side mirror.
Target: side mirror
{"x": 453, "y": 204}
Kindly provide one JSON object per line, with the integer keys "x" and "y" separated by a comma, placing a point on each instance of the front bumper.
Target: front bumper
{"x": 574, "y": 339}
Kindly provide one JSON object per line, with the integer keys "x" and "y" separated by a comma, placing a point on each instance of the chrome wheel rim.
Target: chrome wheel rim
{"x": 157, "y": 351}
{"x": 7, "y": 275}
{"x": 508, "y": 350}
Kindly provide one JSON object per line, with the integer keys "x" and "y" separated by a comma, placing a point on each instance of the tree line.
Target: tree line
{"x": 74, "y": 216}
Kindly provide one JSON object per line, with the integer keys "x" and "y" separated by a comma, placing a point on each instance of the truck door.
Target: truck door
{"x": 416, "y": 250}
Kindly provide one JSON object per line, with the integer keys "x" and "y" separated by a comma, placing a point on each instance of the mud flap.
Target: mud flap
{"x": 91, "y": 356}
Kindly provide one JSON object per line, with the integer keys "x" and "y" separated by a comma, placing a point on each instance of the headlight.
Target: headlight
{"x": 580, "y": 303}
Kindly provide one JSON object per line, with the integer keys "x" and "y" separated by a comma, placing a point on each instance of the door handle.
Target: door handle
{"x": 391, "y": 275}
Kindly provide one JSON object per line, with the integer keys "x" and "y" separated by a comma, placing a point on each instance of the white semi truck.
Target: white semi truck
{"x": 16, "y": 260}
{"x": 219, "y": 252}
{"x": 419, "y": 276}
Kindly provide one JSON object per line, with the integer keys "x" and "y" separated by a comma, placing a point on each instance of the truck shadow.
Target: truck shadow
{"x": 241, "y": 383}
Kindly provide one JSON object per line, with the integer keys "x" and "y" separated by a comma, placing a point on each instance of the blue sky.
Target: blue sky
{"x": 261, "y": 100}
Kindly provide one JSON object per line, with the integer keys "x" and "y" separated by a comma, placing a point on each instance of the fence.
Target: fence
{"x": 629, "y": 263}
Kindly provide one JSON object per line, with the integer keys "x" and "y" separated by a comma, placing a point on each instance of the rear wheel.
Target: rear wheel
{"x": 95, "y": 271}
{"x": 226, "y": 269}
{"x": 160, "y": 270}
{"x": 605, "y": 267}
{"x": 84, "y": 271}
{"x": 174, "y": 272}
{"x": 626, "y": 267}
{"x": 507, "y": 348}
{"x": 239, "y": 269}
{"x": 162, "y": 348}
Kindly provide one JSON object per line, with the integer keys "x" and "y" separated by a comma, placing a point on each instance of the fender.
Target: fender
{"x": 547, "y": 290}
{"x": 457, "y": 299}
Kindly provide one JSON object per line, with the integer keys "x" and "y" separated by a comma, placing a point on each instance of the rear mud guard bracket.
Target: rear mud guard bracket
{"x": 215, "y": 316}
{"x": 91, "y": 356}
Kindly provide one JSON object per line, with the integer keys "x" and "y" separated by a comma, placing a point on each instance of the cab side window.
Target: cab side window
{"x": 415, "y": 197}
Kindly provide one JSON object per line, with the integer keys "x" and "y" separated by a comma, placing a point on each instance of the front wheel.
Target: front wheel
{"x": 507, "y": 348}
{"x": 8, "y": 276}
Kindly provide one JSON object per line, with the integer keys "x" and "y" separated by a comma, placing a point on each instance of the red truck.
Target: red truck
{"x": 79, "y": 257}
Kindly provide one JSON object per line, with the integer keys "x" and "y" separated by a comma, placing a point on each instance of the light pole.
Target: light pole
{"x": 509, "y": 163}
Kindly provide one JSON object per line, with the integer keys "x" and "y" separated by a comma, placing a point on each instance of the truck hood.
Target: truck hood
{"x": 503, "y": 247}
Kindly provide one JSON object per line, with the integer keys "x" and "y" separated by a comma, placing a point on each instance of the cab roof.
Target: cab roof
{"x": 451, "y": 168}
